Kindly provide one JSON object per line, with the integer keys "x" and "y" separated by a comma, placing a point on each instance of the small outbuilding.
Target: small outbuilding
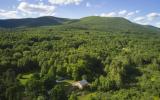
{"x": 81, "y": 84}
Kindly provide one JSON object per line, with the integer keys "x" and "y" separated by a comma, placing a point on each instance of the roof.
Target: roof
{"x": 83, "y": 82}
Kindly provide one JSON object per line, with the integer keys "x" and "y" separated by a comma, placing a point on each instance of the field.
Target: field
{"x": 24, "y": 78}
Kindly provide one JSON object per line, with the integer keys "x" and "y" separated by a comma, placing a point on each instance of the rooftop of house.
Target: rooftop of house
{"x": 83, "y": 82}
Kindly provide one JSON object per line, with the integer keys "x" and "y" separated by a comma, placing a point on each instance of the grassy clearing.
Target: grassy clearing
{"x": 24, "y": 78}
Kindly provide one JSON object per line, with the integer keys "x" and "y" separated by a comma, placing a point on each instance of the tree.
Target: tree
{"x": 10, "y": 76}
{"x": 103, "y": 84}
{"x": 35, "y": 87}
{"x": 73, "y": 97}
{"x": 17, "y": 55}
{"x": 14, "y": 92}
{"x": 58, "y": 93}
{"x": 49, "y": 82}
{"x": 52, "y": 72}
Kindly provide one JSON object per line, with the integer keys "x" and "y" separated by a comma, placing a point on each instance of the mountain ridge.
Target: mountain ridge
{"x": 87, "y": 23}
{"x": 110, "y": 24}
{"x": 32, "y": 22}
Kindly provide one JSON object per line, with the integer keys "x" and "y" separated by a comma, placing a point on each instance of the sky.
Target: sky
{"x": 146, "y": 12}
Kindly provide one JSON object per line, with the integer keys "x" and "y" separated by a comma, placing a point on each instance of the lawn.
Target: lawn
{"x": 24, "y": 78}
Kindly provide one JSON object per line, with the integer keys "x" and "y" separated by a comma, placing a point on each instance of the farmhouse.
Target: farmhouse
{"x": 81, "y": 84}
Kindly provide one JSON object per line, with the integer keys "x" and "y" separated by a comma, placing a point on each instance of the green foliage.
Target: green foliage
{"x": 108, "y": 24}
{"x": 57, "y": 93}
{"x": 32, "y": 22}
{"x": 73, "y": 97}
{"x": 117, "y": 65}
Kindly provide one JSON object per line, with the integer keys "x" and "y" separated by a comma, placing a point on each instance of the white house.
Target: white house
{"x": 81, "y": 84}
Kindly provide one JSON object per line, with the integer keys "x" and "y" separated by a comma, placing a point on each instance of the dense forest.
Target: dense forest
{"x": 119, "y": 65}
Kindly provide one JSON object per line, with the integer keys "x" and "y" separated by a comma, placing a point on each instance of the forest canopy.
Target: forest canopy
{"x": 117, "y": 65}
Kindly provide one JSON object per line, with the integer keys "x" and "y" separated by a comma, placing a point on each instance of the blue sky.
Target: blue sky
{"x": 138, "y": 11}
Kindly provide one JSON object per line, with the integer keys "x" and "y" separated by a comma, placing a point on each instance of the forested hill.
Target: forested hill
{"x": 43, "y": 63}
{"x": 109, "y": 24}
{"x": 32, "y": 22}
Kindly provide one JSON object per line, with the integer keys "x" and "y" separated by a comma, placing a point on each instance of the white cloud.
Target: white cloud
{"x": 131, "y": 14}
{"x": 152, "y": 16}
{"x": 88, "y": 4}
{"x": 111, "y": 14}
{"x": 8, "y": 14}
{"x": 39, "y": 9}
{"x": 139, "y": 19}
{"x": 158, "y": 24}
{"x": 123, "y": 12}
{"x": 65, "y": 2}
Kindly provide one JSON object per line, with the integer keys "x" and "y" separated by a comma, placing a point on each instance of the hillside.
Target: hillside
{"x": 43, "y": 63}
{"x": 38, "y": 62}
{"x": 109, "y": 24}
{"x": 32, "y": 22}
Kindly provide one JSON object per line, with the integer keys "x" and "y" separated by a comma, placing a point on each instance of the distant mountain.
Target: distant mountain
{"x": 117, "y": 24}
{"x": 32, "y": 22}
{"x": 109, "y": 24}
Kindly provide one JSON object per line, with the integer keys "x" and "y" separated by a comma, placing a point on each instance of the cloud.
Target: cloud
{"x": 88, "y": 4}
{"x": 65, "y": 2}
{"x": 111, "y": 14}
{"x": 25, "y": 9}
{"x": 123, "y": 12}
{"x": 39, "y": 9}
{"x": 133, "y": 16}
{"x": 158, "y": 24}
{"x": 149, "y": 18}
{"x": 152, "y": 16}
{"x": 8, "y": 14}
{"x": 130, "y": 13}
{"x": 139, "y": 19}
